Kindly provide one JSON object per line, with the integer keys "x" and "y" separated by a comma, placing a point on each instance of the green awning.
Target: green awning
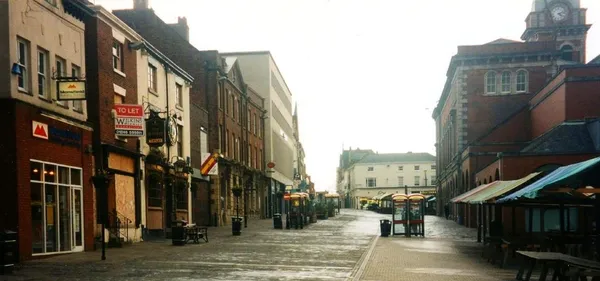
{"x": 492, "y": 192}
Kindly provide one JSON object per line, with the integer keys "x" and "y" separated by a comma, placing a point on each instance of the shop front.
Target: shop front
{"x": 46, "y": 168}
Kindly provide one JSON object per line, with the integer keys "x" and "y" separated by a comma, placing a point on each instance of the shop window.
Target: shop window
{"x": 155, "y": 190}
{"x": 182, "y": 195}
{"x": 552, "y": 220}
{"x": 56, "y": 208}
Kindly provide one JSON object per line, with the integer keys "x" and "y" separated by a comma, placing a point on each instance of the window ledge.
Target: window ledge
{"x": 179, "y": 106}
{"x": 155, "y": 208}
{"x": 119, "y": 72}
{"x": 23, "y": 91}
{"x": 152, "y": 91}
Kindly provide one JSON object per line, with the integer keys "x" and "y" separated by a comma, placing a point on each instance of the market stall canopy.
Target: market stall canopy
{"x": 575, "y": 176}
{"x": 491, "y": 192}
{"x": 381, "y": 196}
{"x": 459, "y": 198}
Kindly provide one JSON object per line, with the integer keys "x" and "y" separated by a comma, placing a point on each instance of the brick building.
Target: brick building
{"x": 172, "y": 40}
{"x": 112, "y": 79}
{"x": 218, "y": 95}
{"x": 492, "y": 90}
{"x": 46, "y": 161}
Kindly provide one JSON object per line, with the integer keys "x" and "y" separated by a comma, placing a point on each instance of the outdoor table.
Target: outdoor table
{"x": 510, "y": 244}
{"x": 563, "y": 265}
{"x": 545, "y": 259}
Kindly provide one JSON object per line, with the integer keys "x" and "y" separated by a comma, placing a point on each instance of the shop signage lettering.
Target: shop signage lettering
{"x": 71, "y": 90}
{"x": 129, "y": 120}
{"x": 64, "y": 137}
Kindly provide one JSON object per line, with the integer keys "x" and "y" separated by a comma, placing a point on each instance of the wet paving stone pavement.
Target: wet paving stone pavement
{"x": 346, "y": 247}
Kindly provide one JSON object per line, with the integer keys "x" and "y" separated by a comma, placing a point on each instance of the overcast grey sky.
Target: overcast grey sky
{"x": 365, "y": 73}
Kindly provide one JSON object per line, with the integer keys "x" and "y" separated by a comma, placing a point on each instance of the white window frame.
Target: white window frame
{"x": 23, "y": 63}
{"x": 417, "y": 181}
{"x": 117, "y": 55}
{"x": 400, "y": 168}
{"x": 401, "y": 181}
{"x": 77, "y": 105}
{"x": 63, "y": 65}
{"x": 370, "y": 169}
{"x": 179, "y": 94}
{"x": 42, "y": 73}
{"x": 491, "y": 82}
{"x": 152, "y": 77}
{"x": 525, "y": 83}
{"x": 417, "y": 167}
{"x": 505, "y": 82}
{"x": 57, "y": 185}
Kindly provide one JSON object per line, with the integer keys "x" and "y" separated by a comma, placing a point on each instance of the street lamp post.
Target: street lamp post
{"x": 101, "y": 182}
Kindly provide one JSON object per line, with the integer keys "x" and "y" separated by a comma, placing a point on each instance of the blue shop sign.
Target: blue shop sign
{"x": 64, "y": 137}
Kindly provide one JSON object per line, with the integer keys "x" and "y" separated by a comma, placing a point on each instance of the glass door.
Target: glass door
{"x": 77, "y": 220}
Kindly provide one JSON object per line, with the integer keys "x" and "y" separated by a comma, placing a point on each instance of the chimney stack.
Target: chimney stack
{"x": 181, "y": 27}
{"x": 140, "y": 4}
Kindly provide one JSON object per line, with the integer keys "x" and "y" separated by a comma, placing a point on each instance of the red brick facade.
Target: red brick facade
{"x": 20, "y": 148}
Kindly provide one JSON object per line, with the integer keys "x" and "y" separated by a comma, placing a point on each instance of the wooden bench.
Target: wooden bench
{"x": 195, "y": 233}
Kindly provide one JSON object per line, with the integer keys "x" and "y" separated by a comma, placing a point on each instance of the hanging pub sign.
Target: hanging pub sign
{"x": 155, "y": 130}
{"x": 70, "y": 90}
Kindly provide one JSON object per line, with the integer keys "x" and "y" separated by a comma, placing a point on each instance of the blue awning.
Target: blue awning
{"x": 561, "y": 176}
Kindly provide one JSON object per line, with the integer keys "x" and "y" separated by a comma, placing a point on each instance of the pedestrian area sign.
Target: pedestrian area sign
{"x": 209, "y": 164}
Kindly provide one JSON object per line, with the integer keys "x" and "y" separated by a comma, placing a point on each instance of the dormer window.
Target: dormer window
{"x": 490, "y": 82}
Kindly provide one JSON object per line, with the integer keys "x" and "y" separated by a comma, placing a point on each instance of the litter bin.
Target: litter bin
{"x": 277, "y": 223}
{"x": 178, "y": 233}
{"x": 8, "y": 251}
{"x": 236, "y": 226}
{"x": 386, "y": 227}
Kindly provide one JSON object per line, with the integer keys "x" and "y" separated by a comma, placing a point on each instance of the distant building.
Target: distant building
{"x": 365, "y": 174}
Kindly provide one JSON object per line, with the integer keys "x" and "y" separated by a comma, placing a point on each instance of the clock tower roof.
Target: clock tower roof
{"x": 541, "y": 5}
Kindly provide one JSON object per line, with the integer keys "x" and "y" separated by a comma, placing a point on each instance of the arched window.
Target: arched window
{"x": 497, "y": 174}
{"x": 490, "y": 82}
{"x": 567, "y": 52}
{"x": 490, "y": 179}
{"x": 505, "y": 82}
{"x": 522, "y": 81}
{"x": 484, "y": 181}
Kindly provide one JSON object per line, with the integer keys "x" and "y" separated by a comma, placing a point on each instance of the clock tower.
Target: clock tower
{"x": 561, "y": 21}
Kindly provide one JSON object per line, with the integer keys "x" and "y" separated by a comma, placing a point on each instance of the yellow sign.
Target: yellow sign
{"x": 71, "y": 90}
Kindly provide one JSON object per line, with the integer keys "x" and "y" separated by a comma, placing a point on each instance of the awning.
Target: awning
{"x": 430, "y": 199}
{"x": 492, "y": 192}
{"x": 561, "y": 176}
{"x": 381, "y": 196}
{"x": 459, "y": 198}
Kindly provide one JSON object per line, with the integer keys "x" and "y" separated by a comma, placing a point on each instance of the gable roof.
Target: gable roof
{"x": 568, "y": 137}
{"x": 230, "y": 63}
{"x": 397, "y": 158}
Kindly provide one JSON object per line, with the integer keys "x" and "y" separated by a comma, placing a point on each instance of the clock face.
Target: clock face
{"x": 559, "y": 12}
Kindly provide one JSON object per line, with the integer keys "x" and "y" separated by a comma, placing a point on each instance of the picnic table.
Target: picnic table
{"x": 195, "y": 232}
{"x": 564, "y": 266}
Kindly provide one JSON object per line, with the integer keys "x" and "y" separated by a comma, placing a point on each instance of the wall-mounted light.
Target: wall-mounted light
{"x": 16, "y": 69}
